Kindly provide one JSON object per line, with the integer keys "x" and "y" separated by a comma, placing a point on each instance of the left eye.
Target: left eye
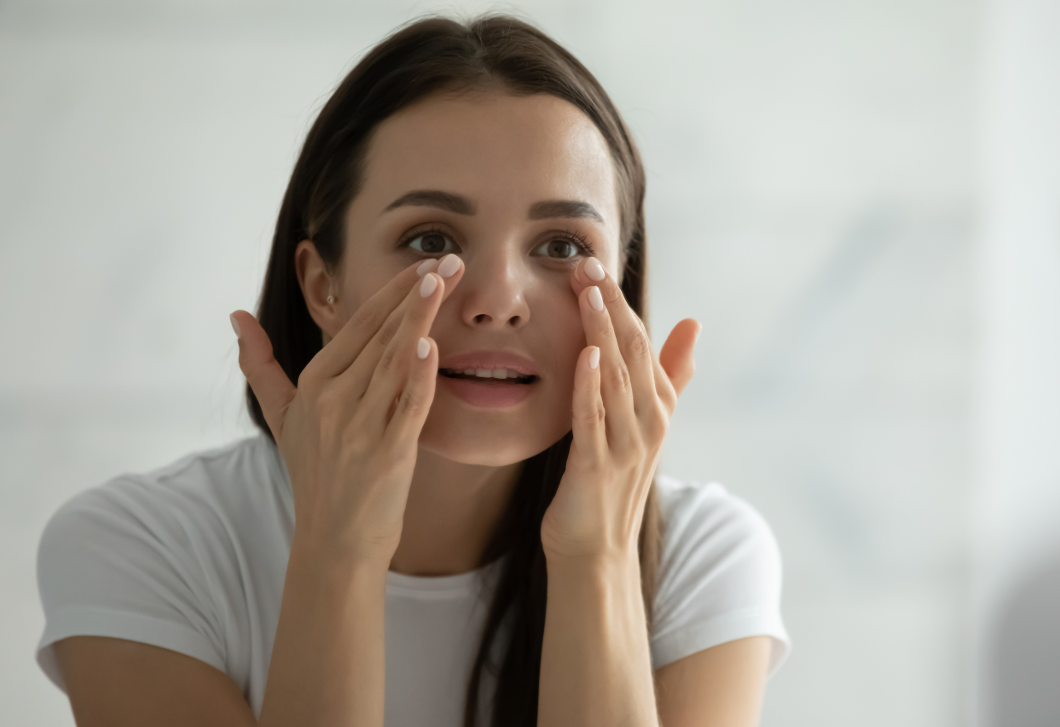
{"x": 560, "y": 249}
{"x": 431, "y": 243}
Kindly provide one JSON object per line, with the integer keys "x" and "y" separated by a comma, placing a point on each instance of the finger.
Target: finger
{"x": 359, "y": 375}
{"x": 266, "y": 377}
{"x": 414, "y": 402}
{"x": 370, "y": 316}
{"x": 676, "y": 356}
{"x": 390, "y": 374}
{"x": 616, "y": 387}
{"x": 588, "y": 416}
{"x": 630, "y": 334}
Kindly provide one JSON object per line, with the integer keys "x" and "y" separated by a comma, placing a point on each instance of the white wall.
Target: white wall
{"x": 1016, "y": 522}
{"x": 811, "y": 182}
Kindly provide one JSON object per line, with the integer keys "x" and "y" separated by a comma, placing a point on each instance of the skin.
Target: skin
{"x": 441, "y": 471}
{"x": 509, "y": 297}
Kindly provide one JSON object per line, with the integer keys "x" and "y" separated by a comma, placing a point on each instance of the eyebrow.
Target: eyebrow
{"x": 564, "y": 208}
{"x": 463, "y": 206}
{"x": 434, "y": 198}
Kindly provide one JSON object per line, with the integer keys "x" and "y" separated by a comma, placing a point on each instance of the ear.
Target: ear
{"x": 317, "y": 285}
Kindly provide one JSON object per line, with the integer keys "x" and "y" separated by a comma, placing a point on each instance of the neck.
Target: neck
{"x": 451, "y": 514}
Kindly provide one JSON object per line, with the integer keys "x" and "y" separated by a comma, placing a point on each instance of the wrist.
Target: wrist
{"x": 613, "y": 566}
{"x": 328, "y": 561}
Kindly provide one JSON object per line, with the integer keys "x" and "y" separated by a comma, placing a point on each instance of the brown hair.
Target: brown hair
{"x": 506, "y": 55}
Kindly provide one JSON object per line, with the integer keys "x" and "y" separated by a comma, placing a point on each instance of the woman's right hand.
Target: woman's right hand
{"x": 349, "y": 431}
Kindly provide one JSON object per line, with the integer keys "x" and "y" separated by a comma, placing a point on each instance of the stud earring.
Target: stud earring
{"x": 331, "y": 299}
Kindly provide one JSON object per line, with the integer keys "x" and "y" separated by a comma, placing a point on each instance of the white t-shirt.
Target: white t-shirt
{"x": 192, "y": 557}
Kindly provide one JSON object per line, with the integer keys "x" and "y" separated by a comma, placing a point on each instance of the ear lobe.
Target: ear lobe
{"x": 316, "y": 285}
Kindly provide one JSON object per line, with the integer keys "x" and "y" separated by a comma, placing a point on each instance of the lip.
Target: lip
{"x": 490, "y": 360}
{"x": 495, "y": 392}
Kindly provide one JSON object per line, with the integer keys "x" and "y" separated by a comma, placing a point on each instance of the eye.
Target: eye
{"x": 431, "y": 242}
{"x": 564, "y": 248}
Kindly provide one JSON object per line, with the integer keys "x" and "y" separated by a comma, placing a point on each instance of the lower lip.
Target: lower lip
{"x": 492, "y": 394}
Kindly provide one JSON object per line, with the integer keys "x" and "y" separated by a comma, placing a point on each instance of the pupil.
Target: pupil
{"x": 433, "y": 243}
{"x": 558, "y": 245}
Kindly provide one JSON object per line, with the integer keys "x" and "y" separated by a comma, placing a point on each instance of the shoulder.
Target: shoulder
{"x": 200, "y": 491}
{"x": 162, "y": 557}
{"x": 720, "y": 574}
{"x": 704, "y": 521}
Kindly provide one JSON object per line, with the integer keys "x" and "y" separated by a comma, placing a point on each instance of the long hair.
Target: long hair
{"x": 493, "y": 53}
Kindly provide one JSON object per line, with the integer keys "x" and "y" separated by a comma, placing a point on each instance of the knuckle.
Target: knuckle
{"x": 639, "y": 345}
{"x": 367, "y": 315}
{"x": 388, "y": 361}
{"x": 618, "y": 378}
{"x": 611, "y": 292}
{"x": 593, "y": 415}
{"x": 412, "y": 403}
{"x": 387, "y": 333}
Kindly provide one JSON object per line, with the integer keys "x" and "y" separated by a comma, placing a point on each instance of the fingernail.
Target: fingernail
{"x": 423, "y": 347}
{"x": 594, "y": 357}
{"x": 428, "y": 285}
{"x": 449, "y": 265}
{"x": 594, "y": 269}
{"x": 425, "y": 266}
{"x": 595, "y": 299}
{"x": 235, "y": 326}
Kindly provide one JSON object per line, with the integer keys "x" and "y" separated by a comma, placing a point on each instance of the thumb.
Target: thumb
{"x": 676, "y": 355}
{"x": 263, "y": 372}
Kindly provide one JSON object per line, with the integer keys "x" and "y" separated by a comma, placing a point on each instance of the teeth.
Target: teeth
{"x": 491, "y": 373}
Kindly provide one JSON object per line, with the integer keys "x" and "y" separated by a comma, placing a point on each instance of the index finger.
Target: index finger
{"x": 630, "y": 333}
{"x": 366, "y": 321}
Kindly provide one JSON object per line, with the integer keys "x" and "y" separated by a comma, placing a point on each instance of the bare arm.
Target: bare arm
{"x": 595, "y": 662}
{"x": 328, "y": 662}
{"x": 721, "y": 686}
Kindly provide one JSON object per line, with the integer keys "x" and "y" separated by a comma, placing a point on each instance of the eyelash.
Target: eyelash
{"x": 575, "y": 238}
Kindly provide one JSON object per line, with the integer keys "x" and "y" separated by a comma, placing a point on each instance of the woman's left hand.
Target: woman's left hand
{"x": 621, "y": 410}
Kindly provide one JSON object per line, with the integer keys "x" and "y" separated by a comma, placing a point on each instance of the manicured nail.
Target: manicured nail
{"x": 428, "y": 285}
{"x": 423, "y": 348}
{"x": 235, "y": 326}
{"x": 594, "y": 357}
{"x": 449, "y": 265}
{"x": 594, "y": 269}
{"x": 595, "y": 299}
{"x": 425, "y": 266}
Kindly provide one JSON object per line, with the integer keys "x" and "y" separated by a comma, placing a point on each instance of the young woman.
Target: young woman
{"x": 452, "y": 515}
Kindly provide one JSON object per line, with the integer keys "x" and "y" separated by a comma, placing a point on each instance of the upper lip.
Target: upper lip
{"x": 492, "y": 360}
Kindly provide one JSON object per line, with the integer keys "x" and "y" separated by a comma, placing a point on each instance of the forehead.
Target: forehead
{"x": 505, "y": 152}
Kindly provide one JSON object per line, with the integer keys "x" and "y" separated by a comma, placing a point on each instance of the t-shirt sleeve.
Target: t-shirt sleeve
{"x": 720, "y": 575}
{"x": 111, "y": 563}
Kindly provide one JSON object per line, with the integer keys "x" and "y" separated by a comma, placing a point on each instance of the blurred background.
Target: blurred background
{"x": 859, "y": 199}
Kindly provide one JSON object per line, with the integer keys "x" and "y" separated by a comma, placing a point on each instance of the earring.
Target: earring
{"x": 331, "y": 299}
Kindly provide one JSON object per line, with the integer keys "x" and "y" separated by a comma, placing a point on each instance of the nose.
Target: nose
{"x": 493, "y": 291}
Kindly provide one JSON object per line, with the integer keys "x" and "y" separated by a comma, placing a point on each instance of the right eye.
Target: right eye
{"x": 431, "y": 242}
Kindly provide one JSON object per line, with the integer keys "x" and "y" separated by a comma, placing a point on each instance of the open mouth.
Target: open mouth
{"x": 485, "y": 376}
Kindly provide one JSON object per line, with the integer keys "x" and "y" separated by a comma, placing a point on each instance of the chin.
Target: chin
{"x": 485, "y": 442}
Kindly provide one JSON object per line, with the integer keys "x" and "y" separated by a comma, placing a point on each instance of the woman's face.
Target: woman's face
{"x": 522, "y": 189}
